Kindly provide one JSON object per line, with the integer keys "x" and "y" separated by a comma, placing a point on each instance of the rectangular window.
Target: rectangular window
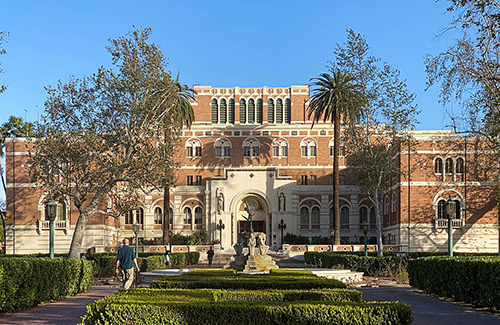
{"x": 313, "y": 180}
{"x": 218, "y": 152}
{"x": 246, "y": 151}
{"x": 198, "y": 180}
{"x": 304, "y": 151}
{"x": 303, "y": 180}
{"x": 255, "y": 151}
{"x": 331, "y": 179}
{"x": 341, "y": 180}
{"x": 227, "y": 151}
{"x": 313, "y": 152}
{"x": 189, "y": 180}
{"x": 198, "y": 151}
{"x": 208, "y": 132}
{"x": 189, "y": 151}
{"x": 236, "y": 133}
{"x": 276, "y": 151}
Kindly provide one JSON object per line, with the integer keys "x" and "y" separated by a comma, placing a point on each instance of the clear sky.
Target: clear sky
{"x": 217, "y": 43}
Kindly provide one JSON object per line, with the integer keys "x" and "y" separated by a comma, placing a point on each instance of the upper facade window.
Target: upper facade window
{"x": 279, "y": 112}
{"x": 193, "y": 147}
{"x": 438, "y": 166}
{"x": 251, "y": 147}
{"x": 308, "y": 147}
{"x": 341, "y": 149}
{"x": 280, "y": 147}
{"x": 222, "y": 111}
{"x": 222, "y": 148}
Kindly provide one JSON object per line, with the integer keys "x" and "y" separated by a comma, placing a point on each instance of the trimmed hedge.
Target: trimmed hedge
{"x": 26, "y": 282}
{"x": 473, "y": 280}
{"x": 147, "y": 306}
{"x": 288, "y": 295}
{"x": 276, "y": 280}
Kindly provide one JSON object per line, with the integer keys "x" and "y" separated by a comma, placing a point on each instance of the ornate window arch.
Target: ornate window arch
{"x": 251, "y": 148}
{"x": 243, "y": 111}
{"x": 438, "y": 166}
{"x": 280, "y": 147}
{"x": 448, "y": 166}
{"x": 270, "y": 111}
{"x": 188, "y": 216}
{"x": 215, "y": 111}
{"x": 304, "y": 218}
{"x": 308, "y": 147}
{"x": 222, "y": 148}
{"x": 344, "y": 217}
{"x": 193, "y": 147}
{"x": 460, "y": 165}
{"x": 198, "y": 215}
{"x": 158, "y": 216}
{"x": 223, "y": 111}
{"x": 279, "y": 111}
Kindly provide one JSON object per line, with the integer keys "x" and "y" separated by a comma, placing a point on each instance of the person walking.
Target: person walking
{"x": 126, "y": 261}
{"x": 166, "y": 257}
{"x": 210, "y": 256}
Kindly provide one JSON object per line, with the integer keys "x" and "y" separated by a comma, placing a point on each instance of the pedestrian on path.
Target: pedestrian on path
{"x": 166, "y": 257}
{"x": 210, "y": 256}
{"x": 126, "y": 261}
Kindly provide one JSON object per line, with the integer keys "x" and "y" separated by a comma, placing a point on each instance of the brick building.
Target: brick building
{"x": 256, "y": 146}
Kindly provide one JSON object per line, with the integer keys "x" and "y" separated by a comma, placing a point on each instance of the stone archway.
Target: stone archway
{"x": 259, "y": 203}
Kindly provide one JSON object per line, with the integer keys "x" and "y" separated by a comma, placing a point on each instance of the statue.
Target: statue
{"x": 251, "y": 244}
{"x": 281, "y": 201}
{"x": 220, "y": 200}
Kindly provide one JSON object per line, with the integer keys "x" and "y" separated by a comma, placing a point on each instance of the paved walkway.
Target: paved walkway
{"x": 428, "y": 310}
{"x": 64, "y": 312}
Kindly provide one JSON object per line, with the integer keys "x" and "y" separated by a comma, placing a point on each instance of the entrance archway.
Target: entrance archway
{"x": 260, "y": 208}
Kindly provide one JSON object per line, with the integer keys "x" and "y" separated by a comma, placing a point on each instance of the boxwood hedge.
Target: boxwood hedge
{"x": 473, "y": 280}
{"x": 26, "y": 282}
{"x": 149, "y": 306}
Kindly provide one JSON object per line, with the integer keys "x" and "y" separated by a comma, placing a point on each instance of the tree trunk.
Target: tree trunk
{"x": 3, "y": 216}
{"x": 166, "y": 215}
{"x": 76, "y": 241}
{"x": 336, "y": 147}
{"x": 378, "y": 218}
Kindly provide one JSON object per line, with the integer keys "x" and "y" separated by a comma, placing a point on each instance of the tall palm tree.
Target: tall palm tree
{"x": 184, "y": 117}
{"x": 334, "y": 97}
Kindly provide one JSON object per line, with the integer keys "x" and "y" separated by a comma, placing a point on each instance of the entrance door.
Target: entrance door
{"x": 258, "y": 226}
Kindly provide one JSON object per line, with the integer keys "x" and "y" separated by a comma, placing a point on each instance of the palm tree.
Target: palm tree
{"x": 184, "y": 117}
{"x": 335, "y": 97}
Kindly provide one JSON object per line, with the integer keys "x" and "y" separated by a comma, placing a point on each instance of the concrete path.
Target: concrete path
{"x": 428, "y": 310}
{"x": 64, "y": 312}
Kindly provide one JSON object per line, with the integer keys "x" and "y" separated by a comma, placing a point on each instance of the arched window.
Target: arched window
{"x": 308, "y": 147}
{"x": 222, "y": 148}
{"x": 341, "y": 148}
{"x": 251, "y": 147}
{"x": 243, "y": 111}
{"x": 260, "y": 111}
{"x": 448, "y": 166}
{"x": 344, "y": 217}
{"x": 438, "y": 166}
{"x": 198, "y": 216}
{"x": 139, "y": 215}
{"x": 60, "y": 211}
{"x": 386, "y": 205}
{"x": 279, "y": 111}
{"x": 288, "y": 111}
{"x": 223, "y": 111}
{"x": 188, "y": 216}
{"x": 363, "y": 215}
{"x": 280, "y": 147}
{"x": 251, "y": 111}
{"x": 129, "y": 217}
{"x": 373, "y": 218}
{"x": 304, "y": 218}
{"x": 270, "y": 111}
{"x": 158, "y": 216}
{"x": 171, "y": 217}
{"x": 193, "y": 147}
{"x": 460, "y": 166}
{"x": 215, "y": 111}
{"x": 231, "y": 111}
{"x": 315, "y": 218}
{"x": 441, "y": 211}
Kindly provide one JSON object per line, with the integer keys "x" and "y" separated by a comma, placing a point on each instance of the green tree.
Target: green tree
{"x": 185, "y": 117}
{"x": 387, "y": 113}
{"x": 335, "y": 96}
{"x": 98, "y": 142}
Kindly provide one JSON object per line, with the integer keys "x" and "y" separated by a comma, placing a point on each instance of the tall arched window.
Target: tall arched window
{"x": 363, "y": 215}
{"x": 304, "y": 218}
{"x": 331, "y": 144}
{"x": 231, "y": 111}
{"x": 260, "y": 111}
{"x": 251, "y": 111}
{"x": 460, "y": 166}
{"x": 315, "y": 218}
{"x": 129, "y": 217}
{"x": 215, "y": 111}
{"x": 251, "y": 147}
{"x": 139, "y": 215}
{"x": 288, "y": 111}
{"x": 60, "y": 210}
{"x": 158, "y": 216}
{"x": 438, "y": 166}
{"x": 243, "y": 111}
{"x": 222, "y": 148}
{"x": 448, "y": 167}
{"x": 373, "y": 218}
{"x": 308, "y": 147}
{"x": 193, "y": 147}
{"x": 223, "y": 111}
{"x": 188, "y": 216}
{"x": 171, "y": 217}
{"x": 344, "y": 217}
{"x": 198, "y": 216}
{"x": 279, "y": 111}
{"x": 270, "y": 111}
{"x": 280, "y": 147}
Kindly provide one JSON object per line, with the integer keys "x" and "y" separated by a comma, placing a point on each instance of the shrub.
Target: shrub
{"x": 469, "y": 279}
{"x": 26, "y": 282}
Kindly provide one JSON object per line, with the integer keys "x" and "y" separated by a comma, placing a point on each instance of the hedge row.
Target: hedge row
{"x": 276, "y": 280}
{"x": 473, "y": 280}
{"x": 288, "y": 295}
{"x": 26, "y": 282}
{"x": 106, "y": 262}
{"x": 147, "y": 306}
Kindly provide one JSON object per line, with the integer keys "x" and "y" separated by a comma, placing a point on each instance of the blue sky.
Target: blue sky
{"x": 217, "y": 43}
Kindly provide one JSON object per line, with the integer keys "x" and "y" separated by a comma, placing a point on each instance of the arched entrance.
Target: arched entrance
{"x": 260, "y": 210}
